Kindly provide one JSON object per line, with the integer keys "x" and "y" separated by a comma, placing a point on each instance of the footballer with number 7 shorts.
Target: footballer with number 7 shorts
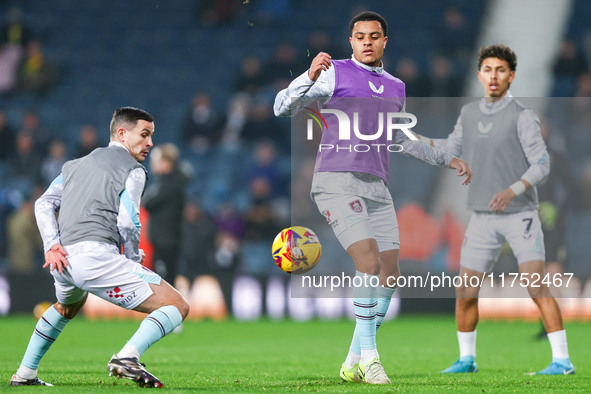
{"x": 502, "y": 140}
{"x": 349, "y": 186}
{"x": 98, "y": 200}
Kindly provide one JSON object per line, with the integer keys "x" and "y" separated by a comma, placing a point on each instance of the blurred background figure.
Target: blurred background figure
{"x": 87, "y": 140}
{"x": 14, "y": 36}
{"x": 202, "y": 126}
{"x": 25, "y": 163}
{"x": 321, "y": 41}
{"x": 205, "y": 284}
{"x": 41, "y": 135}
{"x": 164, "y": 200}
{"x": 443, "y": 82}
{"x": 417, "y": 84}
{"x": 51, "y": 166}
{"x": 284, "y": 66}
{"x": 35, "y": 74}
{"x": 569, "y": 66}
{"x": 262, "y": 124}
{"x": 25, "y": 247}
{"x": 250, "y": 78}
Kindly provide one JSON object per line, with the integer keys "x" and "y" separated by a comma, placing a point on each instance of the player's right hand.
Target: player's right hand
{"x": 55, "y": 257}
{"x": 321, "y": 62}
{"x": 463, "y": 169}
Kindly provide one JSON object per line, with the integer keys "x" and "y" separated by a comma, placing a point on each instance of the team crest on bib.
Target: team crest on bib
{"x": 356, "y": 206}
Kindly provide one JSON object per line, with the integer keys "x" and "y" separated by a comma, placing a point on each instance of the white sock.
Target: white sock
{"x": 368, "y": 355}
{"x": 26, "y": 372}
{"x": 128, "y": 351}
{"x": 558, "y": 344}
{"x": 352, "y": 359}
{"x": 467, "y": 341}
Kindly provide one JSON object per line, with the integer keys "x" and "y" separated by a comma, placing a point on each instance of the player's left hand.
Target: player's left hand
{"x": 55, "y": 257}
{"x": 142, "y": 256}
{"x": 463, "y": 169}
{"x": 500, "y": 200}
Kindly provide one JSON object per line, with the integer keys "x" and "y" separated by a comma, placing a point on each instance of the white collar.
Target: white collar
{"x": 119, "y": 144}
{"x": 495, "y": 106}
{"x": 378, "y": 70}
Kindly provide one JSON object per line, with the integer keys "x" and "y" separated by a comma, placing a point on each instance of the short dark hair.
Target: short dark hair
{"x": 367, "y": 16}
{"x": 500, "y": 52}
{"x": 128, "y": 115}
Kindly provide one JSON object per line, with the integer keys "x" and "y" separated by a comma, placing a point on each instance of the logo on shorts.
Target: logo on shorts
{"x": 356, "y": 206}
{"x": 326, "y": 214}
{"x": 115, "y": 293}
{"x": 127, "y": 299}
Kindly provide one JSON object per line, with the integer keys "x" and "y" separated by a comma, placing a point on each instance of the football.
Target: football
{"x": 296, "y": 250}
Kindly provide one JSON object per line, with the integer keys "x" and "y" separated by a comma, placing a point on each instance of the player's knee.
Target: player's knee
{"x": 539, "y": 292}
{"x": 183, "y": 307}
{"x": 66, "y": 311}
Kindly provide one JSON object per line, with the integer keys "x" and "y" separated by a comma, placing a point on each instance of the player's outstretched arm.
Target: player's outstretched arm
{"x": 463, "y": 169}
{"x": 451, "y": 144}
{"x": 316, "y": 84}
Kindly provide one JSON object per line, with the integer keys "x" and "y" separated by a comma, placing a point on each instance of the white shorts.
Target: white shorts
{"x": 100, "y": 269}
{"x": 487, "y": 233}
{"x": 355, "y": 218}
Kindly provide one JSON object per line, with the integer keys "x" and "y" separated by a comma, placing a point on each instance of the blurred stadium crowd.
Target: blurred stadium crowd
{"x": 208, "y": 71}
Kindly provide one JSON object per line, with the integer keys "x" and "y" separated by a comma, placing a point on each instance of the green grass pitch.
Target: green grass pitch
{"x": 287, "y": 356}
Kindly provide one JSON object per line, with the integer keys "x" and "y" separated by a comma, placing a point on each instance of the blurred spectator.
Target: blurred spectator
{"x": 41, "y": 135}
{"x": 35, "y": 75}
{"x": 237, "y": 115}
{"x": 198, "y": 242}
{"x": 262, "y": 124}
{"x": 558, "y": 194}
{"x": 230, "y": 230}
{"x": 265, "y": 166}
{"x": 24, "y": 241}
{"x": 453, "y": 35}
{"x": 51, "y": 166}
{"x": 25, "y": 163}
{"x": 213, "y": 12}
{"x": 14, "y": 31}
{"x": 417, "y": 85}
{"x": 320, "y": 41}
{"x": 250, "y": 79}
{"x": 165, "y": 200}
{"x": 443, "y": 82}
{"x": 569, "y": 66}
{"x": 261, "y": 223}
{"x": 87, "y": 140}
{"x": 202, "y": 125}
{"x": 570, "y": 62}
{"x": 14, "y": 35}
{"x": 7, "y": 137}
{"x": 285, "y": 66}
{"x": 260, "y": 228}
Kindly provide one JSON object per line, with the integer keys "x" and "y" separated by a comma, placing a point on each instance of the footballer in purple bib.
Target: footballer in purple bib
{"x": 365, "y": 121}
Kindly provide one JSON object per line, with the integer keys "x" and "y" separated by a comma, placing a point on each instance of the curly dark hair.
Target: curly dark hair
{"x": 367, "y": 16}
{"x": 500, "y": 52}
